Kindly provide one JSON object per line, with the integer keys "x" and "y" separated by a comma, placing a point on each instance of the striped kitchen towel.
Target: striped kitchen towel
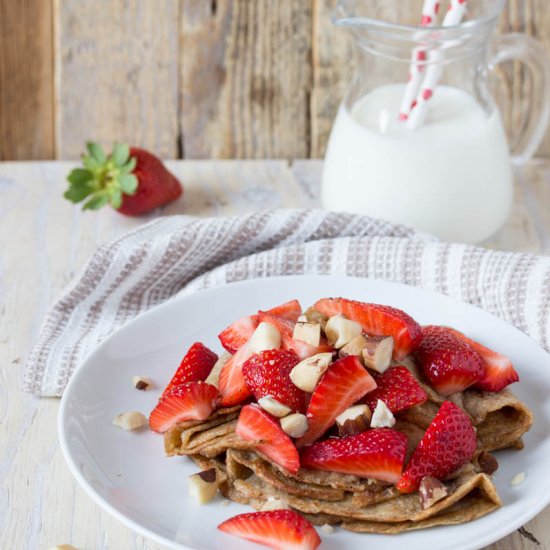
{"x": 171, "y": 255}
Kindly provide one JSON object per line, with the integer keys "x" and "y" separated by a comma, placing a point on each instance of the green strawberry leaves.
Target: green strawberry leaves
{"x": 104, "y": 178}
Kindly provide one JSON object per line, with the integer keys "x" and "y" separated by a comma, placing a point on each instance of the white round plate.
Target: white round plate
{"x": 128, "y": 475}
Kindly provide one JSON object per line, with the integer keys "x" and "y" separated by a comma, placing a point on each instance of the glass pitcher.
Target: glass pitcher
{"x": 451, "y": 175}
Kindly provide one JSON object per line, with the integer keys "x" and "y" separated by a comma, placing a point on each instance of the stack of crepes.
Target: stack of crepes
{"x": 358, "y": 504}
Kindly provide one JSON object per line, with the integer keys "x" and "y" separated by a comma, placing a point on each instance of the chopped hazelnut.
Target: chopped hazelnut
{"x": 354, "y": 347}
{"x": 265, "y": 337}
{"x": 306, "y": 374}
{"x": 328, "y": 529}
{"x": 353, "y": 420}
{"x": 142, "y": 382}
{"x": 274, "y": 407}
{"x": 203, "y": 485}
{"x": 340, "y": 331}
{"x": 314, "y": 316}
{"x": 307, "y": 332}
{"x": 377, "y": 352}
{"x": 130, "y": 420}
{"x": 294, "y": 425}
{"x": 214, "y": 376}
{"x": 431, "y": 491}
{"x": 382, "y": 417}
{"x": 518, "y": 479}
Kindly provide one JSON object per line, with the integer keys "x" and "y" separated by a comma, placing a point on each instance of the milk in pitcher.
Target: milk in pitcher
{"x": 451, "y": 177}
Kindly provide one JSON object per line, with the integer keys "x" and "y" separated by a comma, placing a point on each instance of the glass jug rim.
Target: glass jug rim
{"x": 341, "y": 19}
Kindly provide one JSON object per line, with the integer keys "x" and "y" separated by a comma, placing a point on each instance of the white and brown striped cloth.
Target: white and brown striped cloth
{"x": 171, "y": 255}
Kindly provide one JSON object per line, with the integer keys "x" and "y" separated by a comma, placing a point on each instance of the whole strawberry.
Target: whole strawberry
{"x": 133, "y": 181}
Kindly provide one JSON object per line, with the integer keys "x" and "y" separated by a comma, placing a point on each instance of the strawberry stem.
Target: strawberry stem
{"x": 104, "y": 178}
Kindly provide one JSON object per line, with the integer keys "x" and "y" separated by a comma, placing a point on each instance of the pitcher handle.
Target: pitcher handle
{"x": 513, "y": 47}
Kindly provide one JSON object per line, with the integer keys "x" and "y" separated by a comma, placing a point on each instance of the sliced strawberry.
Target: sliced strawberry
{"x": 398, "y": 388}
{"x": 377, "y": 320}
{"x": 378, "y": 453}
{"x": 345, "y": 382}
{"x": 194, "y": 367}
{"x": 231, "y": 382}
{"x": 190, "y": 401}
{"x": 449, "y": 442}
{"x": 450, "y": 364}
{"x": 499, "y": 371}
{"x": 286, "y": 329}
{"x": 289, "y": 310}
{"x": 279, "y": 529}
{"x": 237, "y": 334}
{"x": 255, "y": 424}
{"x": 268, "y": 373}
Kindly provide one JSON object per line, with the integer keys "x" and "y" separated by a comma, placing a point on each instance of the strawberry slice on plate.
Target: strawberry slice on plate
{"x": 255, "y": 424}
{"x": 286, "y": 330}
{"x": 194, "y": 367}
{"x": 231, "y": 382}
{"x": 279, "y": 529}
{"x": 499, "y": 371}
{"x": 378, "y": 454}
{"x": 268, "y": 374}
{"x": 450, "y": 364}
{"x": 238, "y": 333}
{"x": 377, "y": 320}
{"x": 191, "y": 401}
{"x": 398, "y": 388}
{"x": 449, "y": 442}
{"x": 344, "y": 383}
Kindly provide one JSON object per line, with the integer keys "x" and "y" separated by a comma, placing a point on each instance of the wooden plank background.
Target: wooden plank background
{"x": 191, "y": 78}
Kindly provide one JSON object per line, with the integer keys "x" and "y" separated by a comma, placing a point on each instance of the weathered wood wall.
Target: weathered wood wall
{"x": 190, "y": 78}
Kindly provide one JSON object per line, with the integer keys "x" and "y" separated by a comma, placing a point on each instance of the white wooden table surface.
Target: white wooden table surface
{"x": 43, "y": 242}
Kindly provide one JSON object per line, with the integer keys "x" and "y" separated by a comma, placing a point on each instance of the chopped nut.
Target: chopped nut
{"x": 518, "y": 479}
{"x": 378, "y": 352}
{"x": 294, "y": 425}
{"x": 328, "y": 529}
{"x": 315, "y": 316}
{"x": 130, "y": 420}
{"x": 142, "y": 382}
{"x": 354, "y": 347}
{"x": 431, "y": 491}
{"x": 273, "y": 503}
{"x": 274, "y": 407}
{"x": 487, "y": 463}
{"x": 203, "y": 485}
{"x": 340, "y": 331}
{"x": 265, "y": 337}
{"x": 306, "y": 374}
{"x": 214, "y": 376}
{"x": 307, "y": 332}
{"x": 353, "y": 420}
{"x": 382, "y": 417}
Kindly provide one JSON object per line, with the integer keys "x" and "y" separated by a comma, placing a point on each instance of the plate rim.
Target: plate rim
{"x": 512, "y": 525}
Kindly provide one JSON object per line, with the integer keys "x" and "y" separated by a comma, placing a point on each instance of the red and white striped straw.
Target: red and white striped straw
{"x": 434, "y": 68}
{"x": 430, "y": 10}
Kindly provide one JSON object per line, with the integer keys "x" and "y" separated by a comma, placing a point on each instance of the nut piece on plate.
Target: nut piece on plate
{"x": 306, "y": 374}
{"x": 327, "y": 528}
{"x": 203, "y": 486}
{"x": 488, "y": 464}
{"x": 377, "y": 352}
{"x": 340, "y": 331}
{"x": 307, "y": 332}
{"x": 273, "y": 503}
{"x": 354, "y": 347}
{"x": 274, "y": 407}
{"x": 382, "y": 417}
{"x": 353, "y": 420}
{"x": 314, "y": 316}
{"x": 214, "y": 376}
{"x": 142, "y": 382}
{"x": 294, "y": 425}
{"x": 518, "y": 479}
{"x": 265, "y": 337}
{"x": 130, "y": 420}
{"x": 431, "y": 491}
